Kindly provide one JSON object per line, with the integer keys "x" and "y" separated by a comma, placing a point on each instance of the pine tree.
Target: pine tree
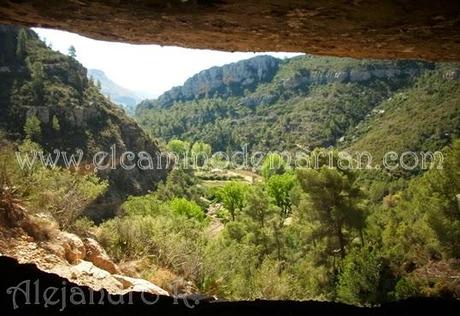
{"x": 72, "y": 52}
{"x": 32, "y": 128}
{"x": 333, "y": 201}
{"x": 55, "y": 124}
{"x": 21, "y": 44}
{"x": 38, "y": 81}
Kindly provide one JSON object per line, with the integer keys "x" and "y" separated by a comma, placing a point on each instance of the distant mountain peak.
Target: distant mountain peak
{"x": 118, "y": 94}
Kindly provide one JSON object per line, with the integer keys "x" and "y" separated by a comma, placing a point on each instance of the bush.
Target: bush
{"x": 60, "y": 192}
{"x": 190, "y": 209}
{"x": 146, "y": 205}
{"x": 270, "y": 282}
{"x": 360, "y": 276}
{"x": 406, "y": 288}
{"x": 171, "y": 242}
{"x": 67, "y": 193}
{"x": 83, "y": 227}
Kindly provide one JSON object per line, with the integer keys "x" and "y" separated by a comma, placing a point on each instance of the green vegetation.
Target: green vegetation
{"x": 283, "y": 231}
{"x": 45, "y": 96}
{"x": 178, "y": 147}
{"x": 319, "y": 102}
{"x": 233, "y": 196}
{"x": 273, "y": 164}
{"x": 301, "y": 234}
{"x": 190, "y": 209}
{"x": 59, "y": 192}
{"x": 32, "y": 129}
{"x": 72, "y": 52}
{"x": 424, "y": 117}
{"x": 361, "y": 237}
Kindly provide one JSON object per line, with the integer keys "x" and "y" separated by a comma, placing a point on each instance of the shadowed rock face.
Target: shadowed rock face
{"x": 359, "y": 28}
{"x": 22, "y": 281}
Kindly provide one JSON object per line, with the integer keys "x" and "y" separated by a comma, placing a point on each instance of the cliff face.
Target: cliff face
{"x": 362, "y": 29}
{"x": 228, "y": 80}
{"x": 306, "y": 101}
{"x": 73, "y": 114}
{"x": 242, "y": 79}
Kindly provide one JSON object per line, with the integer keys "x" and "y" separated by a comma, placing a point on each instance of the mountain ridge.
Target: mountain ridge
{"x": 223, "y": 81}
{"x": 71, "y": 113}
{"x": 308, "y": 100}
{"x": 126, "y": 98}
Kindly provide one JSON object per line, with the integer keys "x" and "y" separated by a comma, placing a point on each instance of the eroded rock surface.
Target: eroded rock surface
{"x": 84, "y": 262}
{"x": 139, "y": 285}
{"x": 358, "y": 28}
{"x": 97, "y": 255}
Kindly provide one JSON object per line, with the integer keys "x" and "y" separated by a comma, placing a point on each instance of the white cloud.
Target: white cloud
{"x": 150, "y": 68}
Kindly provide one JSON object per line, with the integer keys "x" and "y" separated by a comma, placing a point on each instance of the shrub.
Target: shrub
{"x": 269, "y": 281}
{"x": 66, "y": 195}
{"x": 359, "y": 278}
{"x": 172, "y": 242}
{"x": 83, "y": 227}
{"x": 60, "y": 192}
{"x": 406, "y": 288}
{"x": 190, "y": 209}
{"x": 145, "y": 205}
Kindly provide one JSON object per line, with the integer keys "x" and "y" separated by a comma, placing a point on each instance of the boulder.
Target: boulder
{"x": 97, "y": 255}
{"x": 89, "y": 269}
{"x": 73, "y": 246}
{"x": 139, "y": 285}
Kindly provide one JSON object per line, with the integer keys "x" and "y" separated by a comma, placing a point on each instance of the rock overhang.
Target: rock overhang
{"x": 403, "y": 29}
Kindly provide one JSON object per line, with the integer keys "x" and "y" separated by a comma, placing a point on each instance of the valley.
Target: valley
{"x": 247, "y": 197}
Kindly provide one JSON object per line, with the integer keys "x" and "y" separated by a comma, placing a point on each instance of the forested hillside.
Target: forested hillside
{"x": 281, "y": 230}
{"x": 45, "y": 96}
{"x": 274, "y": 229}
{"x": 311, "y": 101}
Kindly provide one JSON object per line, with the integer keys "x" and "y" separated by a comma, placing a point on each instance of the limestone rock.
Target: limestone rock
{"x": 139, "y": 285}
{"x": 231, "y": 79}
{"x": 97, "y": 255}
{"x": 88, "y": 268}
{"x": 363, "y": 29}
{"x": 74, "y": 248}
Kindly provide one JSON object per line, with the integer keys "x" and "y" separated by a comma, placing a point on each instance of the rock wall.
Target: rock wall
{"x": 228, "y": 80}
{"x": 243, "y": 77}
{"x": 360, "y": 28}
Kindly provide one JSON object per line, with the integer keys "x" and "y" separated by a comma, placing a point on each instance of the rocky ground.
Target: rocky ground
{"x": 36, "y": 239}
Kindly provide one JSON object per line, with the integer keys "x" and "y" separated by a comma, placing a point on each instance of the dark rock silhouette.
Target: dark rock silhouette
{"x": 17, "y": 279}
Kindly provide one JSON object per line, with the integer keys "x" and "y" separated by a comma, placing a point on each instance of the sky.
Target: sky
{"x": 151, "y": 69}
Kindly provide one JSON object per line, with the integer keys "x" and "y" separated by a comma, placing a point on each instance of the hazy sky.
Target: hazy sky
{"x": 149, "y": 68}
